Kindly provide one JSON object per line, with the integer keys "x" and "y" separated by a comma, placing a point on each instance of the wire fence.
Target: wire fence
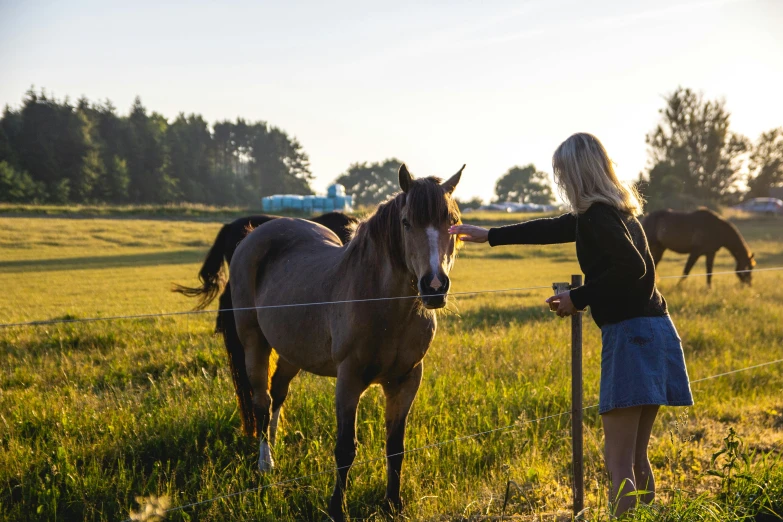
{"x": 44, "y": 322}
{"x": 433, "y": 445}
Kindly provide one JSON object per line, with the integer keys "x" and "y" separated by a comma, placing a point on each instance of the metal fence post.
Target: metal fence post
{"x": 577, "y": 436}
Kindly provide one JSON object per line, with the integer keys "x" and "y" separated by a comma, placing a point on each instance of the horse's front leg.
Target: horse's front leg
{"x": 348, "y": 391}
{"x": 689, "y": 264}
{"x": 710, "y": 261}
{"x": 400, "y": 394}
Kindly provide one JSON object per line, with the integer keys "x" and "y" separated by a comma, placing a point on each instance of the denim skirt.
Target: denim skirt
{"x": 642, "y": 363}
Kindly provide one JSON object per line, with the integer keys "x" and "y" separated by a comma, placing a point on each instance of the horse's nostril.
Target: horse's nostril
{"x": 434, "y": 284}
{"x": 446, "y": 284}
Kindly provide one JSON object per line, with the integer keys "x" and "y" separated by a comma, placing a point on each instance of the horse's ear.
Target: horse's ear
{"x": 450, "y": 184}
{"x": 405, "y": 178}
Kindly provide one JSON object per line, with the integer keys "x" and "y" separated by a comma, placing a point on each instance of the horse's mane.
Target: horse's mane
{"x": 429, "y": 205}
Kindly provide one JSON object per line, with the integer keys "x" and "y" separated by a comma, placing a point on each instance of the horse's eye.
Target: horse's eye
{"x": 406, "y": 224}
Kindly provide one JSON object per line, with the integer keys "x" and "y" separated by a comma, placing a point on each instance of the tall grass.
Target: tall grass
{"x": 94, "y": 415}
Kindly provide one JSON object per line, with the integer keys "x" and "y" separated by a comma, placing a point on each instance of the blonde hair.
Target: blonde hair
{"x": 585, "y": 175}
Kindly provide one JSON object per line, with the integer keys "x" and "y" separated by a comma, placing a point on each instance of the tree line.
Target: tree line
{"x": 52, "y": 151}
{"x": 56, "y": 152}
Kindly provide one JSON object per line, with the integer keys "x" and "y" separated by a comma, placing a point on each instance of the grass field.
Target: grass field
{"x": 93, "y": 415}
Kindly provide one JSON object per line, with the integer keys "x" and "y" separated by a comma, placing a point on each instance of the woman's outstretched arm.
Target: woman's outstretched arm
{"x": 544, "y": 231}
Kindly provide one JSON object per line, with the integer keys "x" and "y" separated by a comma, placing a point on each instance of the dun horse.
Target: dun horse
{"x": 402, "y": 250}
{"x": 698, "y": 233}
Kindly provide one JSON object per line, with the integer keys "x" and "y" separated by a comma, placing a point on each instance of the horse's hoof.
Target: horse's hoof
{"x": 265, "y": 466}
{"x": 265, "y": 461}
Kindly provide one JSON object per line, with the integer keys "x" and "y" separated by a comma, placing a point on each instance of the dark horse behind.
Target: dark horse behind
{"x": 212, "y": 274}
{"x": 698, "y": 233}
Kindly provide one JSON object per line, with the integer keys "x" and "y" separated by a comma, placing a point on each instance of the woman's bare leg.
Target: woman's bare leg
{"x": 641, "y": 463}
{"x": 621, "y": 427}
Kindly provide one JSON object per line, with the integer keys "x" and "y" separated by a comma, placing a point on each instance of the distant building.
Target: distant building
{"x": 335, "y": 199}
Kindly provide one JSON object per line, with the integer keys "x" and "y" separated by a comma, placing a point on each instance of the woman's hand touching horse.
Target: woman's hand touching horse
{"x": 470, "y": 233}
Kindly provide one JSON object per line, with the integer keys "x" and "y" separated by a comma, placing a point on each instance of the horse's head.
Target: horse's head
{"x": 745, "y": 268}
{"x": 427, "y": 213}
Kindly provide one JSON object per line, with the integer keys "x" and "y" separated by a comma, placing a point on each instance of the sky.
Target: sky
{"x": 488, "y": 83}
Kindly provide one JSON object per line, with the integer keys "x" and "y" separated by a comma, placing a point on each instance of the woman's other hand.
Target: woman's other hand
{"x": 566, "y": 307}
{"x": 470, "y": 233}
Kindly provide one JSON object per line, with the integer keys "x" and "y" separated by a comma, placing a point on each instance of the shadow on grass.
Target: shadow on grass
{"x": 176, "y": 257}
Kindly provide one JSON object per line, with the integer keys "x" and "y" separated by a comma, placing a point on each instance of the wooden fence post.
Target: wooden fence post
{"x": 577, "y": 436}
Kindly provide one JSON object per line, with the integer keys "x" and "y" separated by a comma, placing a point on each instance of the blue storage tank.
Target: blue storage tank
{"x": 336, "y": 200}
{"x": 307, "y": 203}
{"x": 297, "y": 202}
{"x": 335, "y": 190}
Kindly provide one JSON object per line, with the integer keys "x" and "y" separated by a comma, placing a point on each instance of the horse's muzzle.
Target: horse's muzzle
{"x": 433, "y": 290}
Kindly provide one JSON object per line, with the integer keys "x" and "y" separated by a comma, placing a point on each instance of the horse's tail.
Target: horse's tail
{"x": 211, "y": 275}
{"x": 236, "y": 361}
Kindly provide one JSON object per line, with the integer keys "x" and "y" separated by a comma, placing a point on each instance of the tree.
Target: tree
{"x": 53, "y": 145}
{"x": 524, "y": 185}
{"x": 371, "y": 183}
{"x": 232, "y": 183}
{"x": 280, "y": 165}
{"x": 148, "y": 181}
{"x": 190, "y": 157}
{"x": 473, "y": 203}
{"x": 766, "y": 163}
{"x": 694, "y": 155}
{"x": 18, "y": 187}
{"x": 110, "y": 135}
{"x": 10, "y": 124}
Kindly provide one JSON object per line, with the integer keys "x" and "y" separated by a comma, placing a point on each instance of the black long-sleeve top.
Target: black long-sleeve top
{"x": 613, "y": 253}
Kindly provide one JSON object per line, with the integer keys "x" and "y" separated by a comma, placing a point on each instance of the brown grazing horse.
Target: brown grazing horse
{"x": 403, "y": 250}
{"x": 698, "y": 233}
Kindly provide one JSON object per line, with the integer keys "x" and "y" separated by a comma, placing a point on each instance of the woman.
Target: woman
{"x": 642, "y": 362}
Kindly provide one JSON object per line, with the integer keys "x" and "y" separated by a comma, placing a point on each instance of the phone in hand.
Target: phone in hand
{"x": 558, "y": 288}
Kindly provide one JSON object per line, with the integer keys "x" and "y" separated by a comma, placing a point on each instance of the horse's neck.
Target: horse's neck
{"x": 735, "y": 244}
{"x": 376, "y": 272}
